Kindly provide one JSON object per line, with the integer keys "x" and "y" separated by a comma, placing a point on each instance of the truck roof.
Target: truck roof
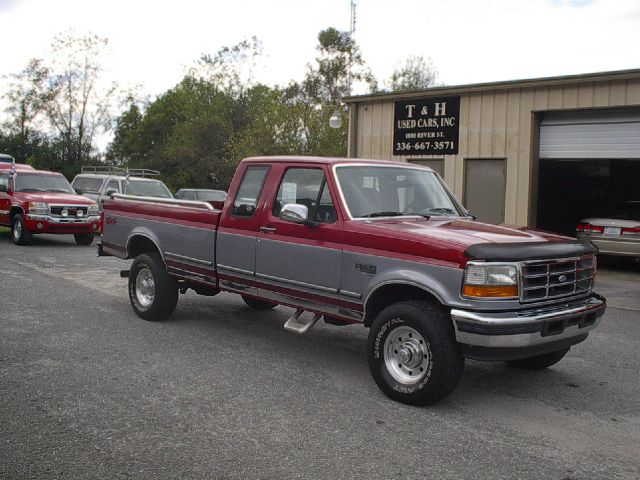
{"x": 326, "y": 161}
{"x": 20, "y": 167}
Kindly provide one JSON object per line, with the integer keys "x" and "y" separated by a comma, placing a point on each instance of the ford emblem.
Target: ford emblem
{"x": 563, "y": 278}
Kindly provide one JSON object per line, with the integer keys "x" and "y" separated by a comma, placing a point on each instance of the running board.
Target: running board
{"x": 301, "y": 325}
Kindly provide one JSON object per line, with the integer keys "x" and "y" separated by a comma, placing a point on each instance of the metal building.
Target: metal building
{"x": 543, "y": 152}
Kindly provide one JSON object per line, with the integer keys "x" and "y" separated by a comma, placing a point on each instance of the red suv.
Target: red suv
{"x": 35, "y": 201}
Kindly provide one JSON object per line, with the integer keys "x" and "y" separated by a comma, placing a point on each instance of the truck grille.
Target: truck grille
{"x": 547, "y": 279}
{"x": 71, "y": 209}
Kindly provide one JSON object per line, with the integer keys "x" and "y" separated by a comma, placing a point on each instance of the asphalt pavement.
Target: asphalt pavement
{"x": 90, "y": 391}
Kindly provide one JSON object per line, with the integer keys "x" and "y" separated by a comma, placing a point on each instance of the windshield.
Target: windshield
{"x": 211, "y": 195}
{"x": 371, "y": 191}
{"x": 147, "y": 189}
{"x": 40, "y": 182}
{"x": 88, "y": 184}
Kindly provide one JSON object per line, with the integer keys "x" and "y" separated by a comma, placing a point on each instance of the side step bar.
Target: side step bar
{"x": 300, "y": 325}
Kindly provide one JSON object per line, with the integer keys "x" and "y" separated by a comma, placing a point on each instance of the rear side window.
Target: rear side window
{"x": 246, "y": 199}
{"x": 113, "y": 185}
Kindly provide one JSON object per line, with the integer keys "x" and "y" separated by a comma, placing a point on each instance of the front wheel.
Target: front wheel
{"x": 539, "y": 361}
{"x": 413, "y": 354}
{"x": 83, "y": 238}
{"x": 19, "y": 232}
{"x": 153, "y": 293}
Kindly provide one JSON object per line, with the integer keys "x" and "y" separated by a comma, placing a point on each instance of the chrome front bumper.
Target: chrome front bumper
{"x": 64, "y": 220}
{"x": 522, "y": 333}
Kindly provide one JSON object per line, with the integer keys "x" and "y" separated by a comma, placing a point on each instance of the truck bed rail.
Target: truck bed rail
{"x": 165, "y": 201}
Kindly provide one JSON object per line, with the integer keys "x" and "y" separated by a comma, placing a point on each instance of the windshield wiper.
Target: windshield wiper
{"x": 383, "y": 214}
{"x": 57, "y": 190}
{"x": 439, "y": 211}
{"x": 31, "y": 190}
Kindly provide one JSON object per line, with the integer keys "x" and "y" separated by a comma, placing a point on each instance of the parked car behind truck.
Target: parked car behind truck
{"x": 36, "y": 201}
{"x": 381, "y": 244}
{"x": 617, "y": 233}
{"x": 99, "y": 182}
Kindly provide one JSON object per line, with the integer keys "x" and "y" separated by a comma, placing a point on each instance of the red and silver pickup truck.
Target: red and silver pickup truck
{"x": 383, "y": 244}
{"x": 36, "y": 201}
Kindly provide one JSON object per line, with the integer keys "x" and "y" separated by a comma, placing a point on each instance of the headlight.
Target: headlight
{"x": 490, "y": 280}
{"x": 93, "y": 210}
{"x": 38, "y": 208}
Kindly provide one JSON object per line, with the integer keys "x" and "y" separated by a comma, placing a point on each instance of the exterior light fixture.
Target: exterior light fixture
{"x": 336, "y": 119}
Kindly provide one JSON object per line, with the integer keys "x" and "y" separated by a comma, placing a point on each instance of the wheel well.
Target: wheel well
{"x": 394, "y": 293}
{"x": 140, "y": 244}
{"x": 14, "y": 211}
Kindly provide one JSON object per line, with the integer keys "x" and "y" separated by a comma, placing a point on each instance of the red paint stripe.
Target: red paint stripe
{"x": 296, "y": 293}
{"x": 190, "y": 268}
{"x": 398, "y": 256}
{"x": 113, "y": 246}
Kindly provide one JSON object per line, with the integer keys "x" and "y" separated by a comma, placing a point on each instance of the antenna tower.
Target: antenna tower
{"x": 353, "y": 17}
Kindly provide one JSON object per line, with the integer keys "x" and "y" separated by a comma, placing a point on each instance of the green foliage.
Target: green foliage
{"x": 198, "y": 131}
{"x": 183, "y": 133}
{"x": 56, "y": 108}
{"x": 416, "y": 74}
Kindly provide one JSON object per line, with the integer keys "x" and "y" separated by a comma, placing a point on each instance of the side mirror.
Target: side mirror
{"x": 294, "y": 212}
{"x": 79, "y": 191}
{"x": 111, "y": 192}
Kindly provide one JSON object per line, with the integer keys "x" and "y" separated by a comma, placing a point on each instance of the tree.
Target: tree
{"x": 26, "y": 97}
{"x": 416, "y": 74}
{"x": 59, "y": 105}
{"x": 338, "y": 68}
{"x": 183, "y": 133}
{"x": 75, "y": 104}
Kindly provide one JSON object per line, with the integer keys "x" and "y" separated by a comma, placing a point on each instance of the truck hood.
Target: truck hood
{"x": 54, "y": 198}
{"x": 476, "y": 240}
{"x": 465, "y": 232}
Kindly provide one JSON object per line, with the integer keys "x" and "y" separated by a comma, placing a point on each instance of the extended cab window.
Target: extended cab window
{"x": 306, "y": 186}
{"x": 4, "y": 182}
{"x": 246, "y": 199}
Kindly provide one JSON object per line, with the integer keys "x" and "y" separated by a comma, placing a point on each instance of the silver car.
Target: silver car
{"x": 615, "y": 234}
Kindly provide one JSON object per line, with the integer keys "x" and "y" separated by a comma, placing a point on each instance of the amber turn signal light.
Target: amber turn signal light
{"x": 488, "y": 291}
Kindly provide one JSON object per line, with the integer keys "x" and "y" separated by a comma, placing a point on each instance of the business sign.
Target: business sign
{"x": 426, "y": 126}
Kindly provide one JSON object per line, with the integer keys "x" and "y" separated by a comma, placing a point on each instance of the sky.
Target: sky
{"x": 152, "y": 43}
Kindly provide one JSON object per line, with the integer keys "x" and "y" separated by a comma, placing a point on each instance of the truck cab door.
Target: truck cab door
{"x": 237, "y": 233}
{"x": 299, "y": 262}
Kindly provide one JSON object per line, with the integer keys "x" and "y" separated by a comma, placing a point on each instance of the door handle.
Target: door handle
{"x": 267, "y": 229}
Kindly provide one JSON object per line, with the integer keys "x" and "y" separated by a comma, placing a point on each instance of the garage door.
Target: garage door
{"x": 590, "y": 134}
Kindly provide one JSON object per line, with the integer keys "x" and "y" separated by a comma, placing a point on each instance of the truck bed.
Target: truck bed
{"x": 182, "y": 231}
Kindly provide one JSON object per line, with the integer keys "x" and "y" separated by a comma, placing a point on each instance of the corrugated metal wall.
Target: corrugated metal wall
{"x": 494, "y": 124}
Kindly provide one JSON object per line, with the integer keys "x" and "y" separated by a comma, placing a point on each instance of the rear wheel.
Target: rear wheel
{"x": 413, "y": 354}
{"x": 153, "y": 293}
{"x": 19, "y": 233}
{"x": 539, "y": 361}
{"x": 258, "y": 304}
{"x": 83, "y": 238}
